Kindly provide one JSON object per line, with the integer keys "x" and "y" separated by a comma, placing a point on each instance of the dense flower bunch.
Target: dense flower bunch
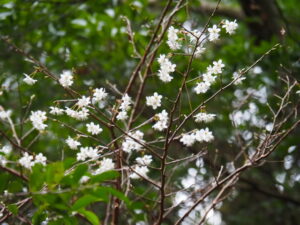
{"x": 133, "y": 143}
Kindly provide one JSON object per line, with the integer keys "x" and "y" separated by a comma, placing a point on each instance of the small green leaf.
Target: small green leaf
{"x": 108, "y": 175}
{"x": 13, "y": 208}
{"x": 84, "y": 201}
{"x": 90, "y": 216}
{"x": 54, "y": 173}
{"x": 36, "y": 178}
{"x": 109, "y": 190}
{"x": 79, "y": 172}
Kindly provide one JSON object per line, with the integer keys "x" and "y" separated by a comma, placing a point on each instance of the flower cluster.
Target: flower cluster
{"x": 133, "y": 141}
{"x": 99, "y": 96}
{"x": 78, "y": 115}
{"x": 6, "y": 149}
{"x": 162, "y": 121}
{"x": 72, "y": 143}
{"x": 105, "y": 165}
{"x": 214, "y": 33}
{"x": 28, "y": 80}
{"x": 202, "y": 135}
{"x": 94, "y": 129}
{"x": 208, "y": 77}
{"x": 29, "y": 161}
{"x": 166, "y": 67}
{"x": 83, "y": 102}
{"x": 204, "y": 117}
{"x": 173, "y": 38}
{"x": 238, "y": 79}
{"x": 56, "y": 111}
{"x": 4, "y": 114}
{"x": 139, "y": 172}
{"x": 154, "y": 101}
{"x": 66, "y": 78}
{"x": 38, "y": 118}
{"x": 230, "y": 26}
{"x": 87, "y": 152}
{"x": 125, "y": 107}
{"x": 144, "y": 161}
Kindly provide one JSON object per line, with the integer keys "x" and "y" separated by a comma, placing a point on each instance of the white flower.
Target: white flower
{"x": 208, "y": 78}
{"x": 204, "y": 117}
{"x": 162, "y": 122}
{"x": 194, "y": 35}
{"x": 188, "y": 139}
{"x": 94, "y": 129}
{"x": 139, "y": 171}
{"x": 173, "y": 38}
{"x": 125, "y": 106}
{"x": 66, "y": 78}
{"x": 216, "y": 68}
{"x": 3, "y": 160}
{"x": 122, "y": 115}
{"x": 239, "y": 117}
{"x": 87, "y": 152}
{"x": 72, "y": 143}
{"x": 83, "y": 114}
{"x": 230, "y": 26}
{"x": 40, "y": 158}
{"x": 126, "y": 102}
{"x": 257, "y": 70}
{"x": 70, "y": 112}
{"x": 56, "y": 111}
{"x": 37, "y": 118}
{"x": 199, "y": 51}
{"x": 28, "y": 80}
{"x": 130, "y": 144}
{"x": 4, "y": 114}
{"x": 84, "y": 179}
{"x": 202, "y": 87}
{"x": 144, "y": 161}
{"x": 105, "y": 165}
{"x": 238, "y": 79}
{"x": 79, "y": 115}
{"x": 204, "y": 135}
{"x": 26, "y": 161}
{"x": 99, "y": 95}
{"x": 83, "y": 101}
{"x": 166, "y": 67}
{"x": 154, "y": 101}
{"x": 214, "y": 33}
{"x": 218, "y": 65}
{"x": 6, "y": 149}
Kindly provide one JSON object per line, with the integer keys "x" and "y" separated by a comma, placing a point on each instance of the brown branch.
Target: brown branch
{"x": 15, "y": 173}
{"x": 148, "y": 48}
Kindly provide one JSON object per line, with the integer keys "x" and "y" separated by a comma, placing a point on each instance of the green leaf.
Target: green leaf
{"x": 36, "y": 178}
{"x": 79, "y": 172}
{"x": 13, "y": 208}
{"x": 84, "y": 201}
{"x": 109, "y": 190}
{"x": 108, "y": 175}
{"x": 90, "y": 216}
{"x": 54, "y": 173}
